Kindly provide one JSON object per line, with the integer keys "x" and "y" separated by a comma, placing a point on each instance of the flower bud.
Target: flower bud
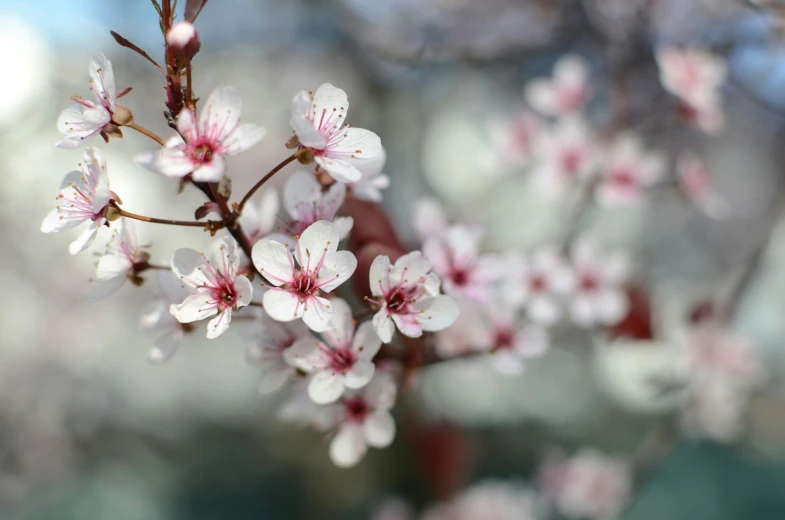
{"x": 183, "y": 39}
{"x": 122, "y": 116}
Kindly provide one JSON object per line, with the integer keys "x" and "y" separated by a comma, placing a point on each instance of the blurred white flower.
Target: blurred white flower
{"x": 205, "y": 141}
{"x": 598, "y": 297}
{"x": 566, "y": 92}
{"x": 319, "y": 122}
{"x": 588, "y": 485}
{"x": 84, "y": 196}
{"x": 359, "y": 420}
{"x": 492, "y": 500}
{"x": 567, "y": 156}
{"x": 408, "y": 296}
{"x": 455, "y": 257}
{"x": 258, "y": 219}
{"x": 215, "y": 285}
{"x": 156, "y": 317}
{"x": 695, "y": 76}
{"x": 372, "y": 180}
{"x": 519, "y": 139}
{"x": 306, "y": 203}
{"x": 343, "y": 361}
{"x": 429, "y": 218}
{"x": 271, "y": 351}
{"x": 297, "y": 288}
{"x": 695, "y": 181}
{"x": 627, "y": 170}
{"x": 539, "y": 284}
{"x": 119, "y": 262}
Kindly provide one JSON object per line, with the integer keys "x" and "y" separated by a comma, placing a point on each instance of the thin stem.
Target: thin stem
{"x": 189, "y": 94}
{"x": 153, "y": 220}
{"x": 264, "y": 179}
{"x": 155, "y": 137}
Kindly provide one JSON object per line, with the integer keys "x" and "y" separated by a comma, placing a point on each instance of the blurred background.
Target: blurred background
{"x": 89, "y": 429}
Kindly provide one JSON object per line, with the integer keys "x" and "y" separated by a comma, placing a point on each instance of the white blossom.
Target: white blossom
{"x": 84, "y": 196}
{"x": 627, "y": 170}
{"x": 156, "y": 317}
{"x": 539, "y": 284}
{"x": 566, "y": 92}
{"x": 119, "y": 261}
{"x": 696, "y": 183}
{"x": 491, "y": 500}
{"x": 259, "y": 218}
{"x": 599, "y": 297}
{"x": 271, "y": 351}
{"x": 567, "y": 156}
{"x": 306, "y": 203}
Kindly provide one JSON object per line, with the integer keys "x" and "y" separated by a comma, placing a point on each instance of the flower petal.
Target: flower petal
{"x": 84, "y": 240}
{"x": 366, "y": 341}
{"x": 325, "y": 387}
{"x": 348, "y": 446}
{"x": 273, "y": 260}
{"x": 244, "y": 137}
{"x": 165, "y": 346}
{"x": 379, "y": 428}
{"x": 319, "y": 237}
{"x": 282, "y": 305}
{"x": 342, "y": 169}
{"x": 317, "y": 314}
{"x": 383, "y": 325}
{"x": 342, "y": 325}
{"x": 440, "y": 313}
{"x": 337, "y": 268}
{"x": 194, "y": 308}
{"x": 359, "y": 375}
{"x": 219, "y": 324}
{"x": 220, "y": 114}
{"x": 210, "y": 172}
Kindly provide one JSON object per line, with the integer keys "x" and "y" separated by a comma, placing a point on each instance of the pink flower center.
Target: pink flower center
{"x": 687, "y": 111}
{"x": 572, "y": 98}
{"x": 571, "y": 161}
{"x": 624, "y": 178}
{"x": 224, "y": 293}
{"x": 589, "y": 281}
{"x": 340, "y": 359}
{"x": 504, "y": 339}
{"x": 538, "y": 283}
{"x": 202, "y": 153}
{"x": 357, "y": 409}
{"x": 460, "y": 277}
{"x": 399, "y": 300}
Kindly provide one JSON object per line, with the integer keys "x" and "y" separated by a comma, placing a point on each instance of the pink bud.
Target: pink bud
{"x": 183, "y": 39}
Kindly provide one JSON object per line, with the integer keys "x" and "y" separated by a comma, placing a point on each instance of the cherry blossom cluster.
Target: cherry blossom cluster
{"x": 284, "y": 271}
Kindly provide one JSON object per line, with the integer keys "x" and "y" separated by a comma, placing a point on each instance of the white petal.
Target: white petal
{"x": 380, "y": 267}
{"x": 220, "y": 113}
{"x": 317, "y": 314}
{"x": 244, "y": 137}
{"x": 112, "y": 265}
{"x": 325, "y": 387}
{"x": 273, "y": 260}
{"x": 344, "y": 226}
{"x": 210, "y": 172}
{"x": 383, "y": 325}
{"x": 194, "y": 308}
{"x": 358, "y": 144}
{"x": 318, "y": 237}
{"x": 359, "y": 375}
{"x": 411, "y": 266}
{"x": 440, "y": 314}
{"x": 273, "y": 380}
{"x": 366, "y": 341}
{"x": 612, "y": 306}
{"x": 187, "y": 266}
{"x": 186, "y": 125}
{"x": 348, "y": 446}
{"x": 342, "y": 169}
{"x": 337, "y": 268}
{"x": 85, "y": 239}
{"x": 342, "y": 325}
{"x": 300, "y": 193}
{"x": 282, "y": 305}
{"x": 330, "y": 98}
{"x": 543, "y": 310}
{"x": 172, "y": 288}
{"x": 244, "y": 289}
{"x": 381, "y": 392}
{"x": 171, "y": 160}
{"x": 219, "y": 324}
{"x": 306, "y": 131}
{"x": 540, "y": 96}
{"x": 100, "y": 289}
{"x": 165, "y": 346}
{"x": 102, "y": 78}
{"x": 379, "y": 429}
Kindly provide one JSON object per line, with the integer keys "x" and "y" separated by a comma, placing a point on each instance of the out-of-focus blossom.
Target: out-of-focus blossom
{"x": 306, "y": 203}
{"x": 463, "y": 270}
{"x": 319, "y": 122}
{"x": 217, "y": 288}
{"x": 119, "y": 263}
{"x": 393, "y": 509}
{"x": 342, "y": 361}
{"x": 84, "y": 119}
{"x": 84, "y": 196}
{"x": 156, "y": 317}
{"x": 725, "y": 368}
{"x": 566, "y": 92}
{"x": 567, "y": 156}
{"x": 429, "y": 218}
{"x": 372, "y": 180}
{"x": 627, "y": 170}
{"x": 272, "y": 351}
{"x": 539, "y": 284}
{"x": 694, "y": 179}
{"x": 359, "y": 420}
{"x": 511, "y": 341}
{"x": 492, "y": 500}
{"x": 259, "y": 218}
{"x": 694, "y": 76}
{"x": 519, "y": 139}
{"x": 408, "y": 294}
{"x": 205, "y": 141}
{"x": 589, "y": 485}
{"x": 297, "y": 288}
{"x": 599, "y": 297}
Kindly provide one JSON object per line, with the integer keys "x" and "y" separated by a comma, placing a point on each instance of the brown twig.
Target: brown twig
{"x": 152, "y": 135}
{"x": 264, "y": 179}
{"x": 153, "y": 220}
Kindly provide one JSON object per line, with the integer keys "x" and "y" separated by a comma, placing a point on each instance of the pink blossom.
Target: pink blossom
{"x": 216, "y": 287}
{"x": 319, "y": 122}
{"x": 297, "y": 288}
{"x": 205, "y": 142}
{"x": 589, "y": 485}
{"x": 694, "y": 179}
{"x": 627, "y": 171}
{"x": 359, "y": 420}
{"x": 566, "y": 92}
{"x": 342, "y": 361}
{"x": 519, "y": 139}
{"x": 695, "y": 77}
{"x": 306, "y": 203}
{"x": 84, "y": 196}
{"x": 408, "y": 296}
{"x": 259, "y": 218}
{"x": 272, "y": 351}
{"x": 539, "y": 284}
{"x": 567, "y": 156}
{"x": 456, "y": 259}
{"x": 598, "y": 297}
{"x": 490, "y": 500}
{"x": 84, "y": 119}
{"x": 120, "y": 261}
{"x": 509, "y": 339}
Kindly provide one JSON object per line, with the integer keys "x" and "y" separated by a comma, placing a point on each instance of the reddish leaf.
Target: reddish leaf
{"x": 124, "y": 42}
{"x": 193, "y": 8}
